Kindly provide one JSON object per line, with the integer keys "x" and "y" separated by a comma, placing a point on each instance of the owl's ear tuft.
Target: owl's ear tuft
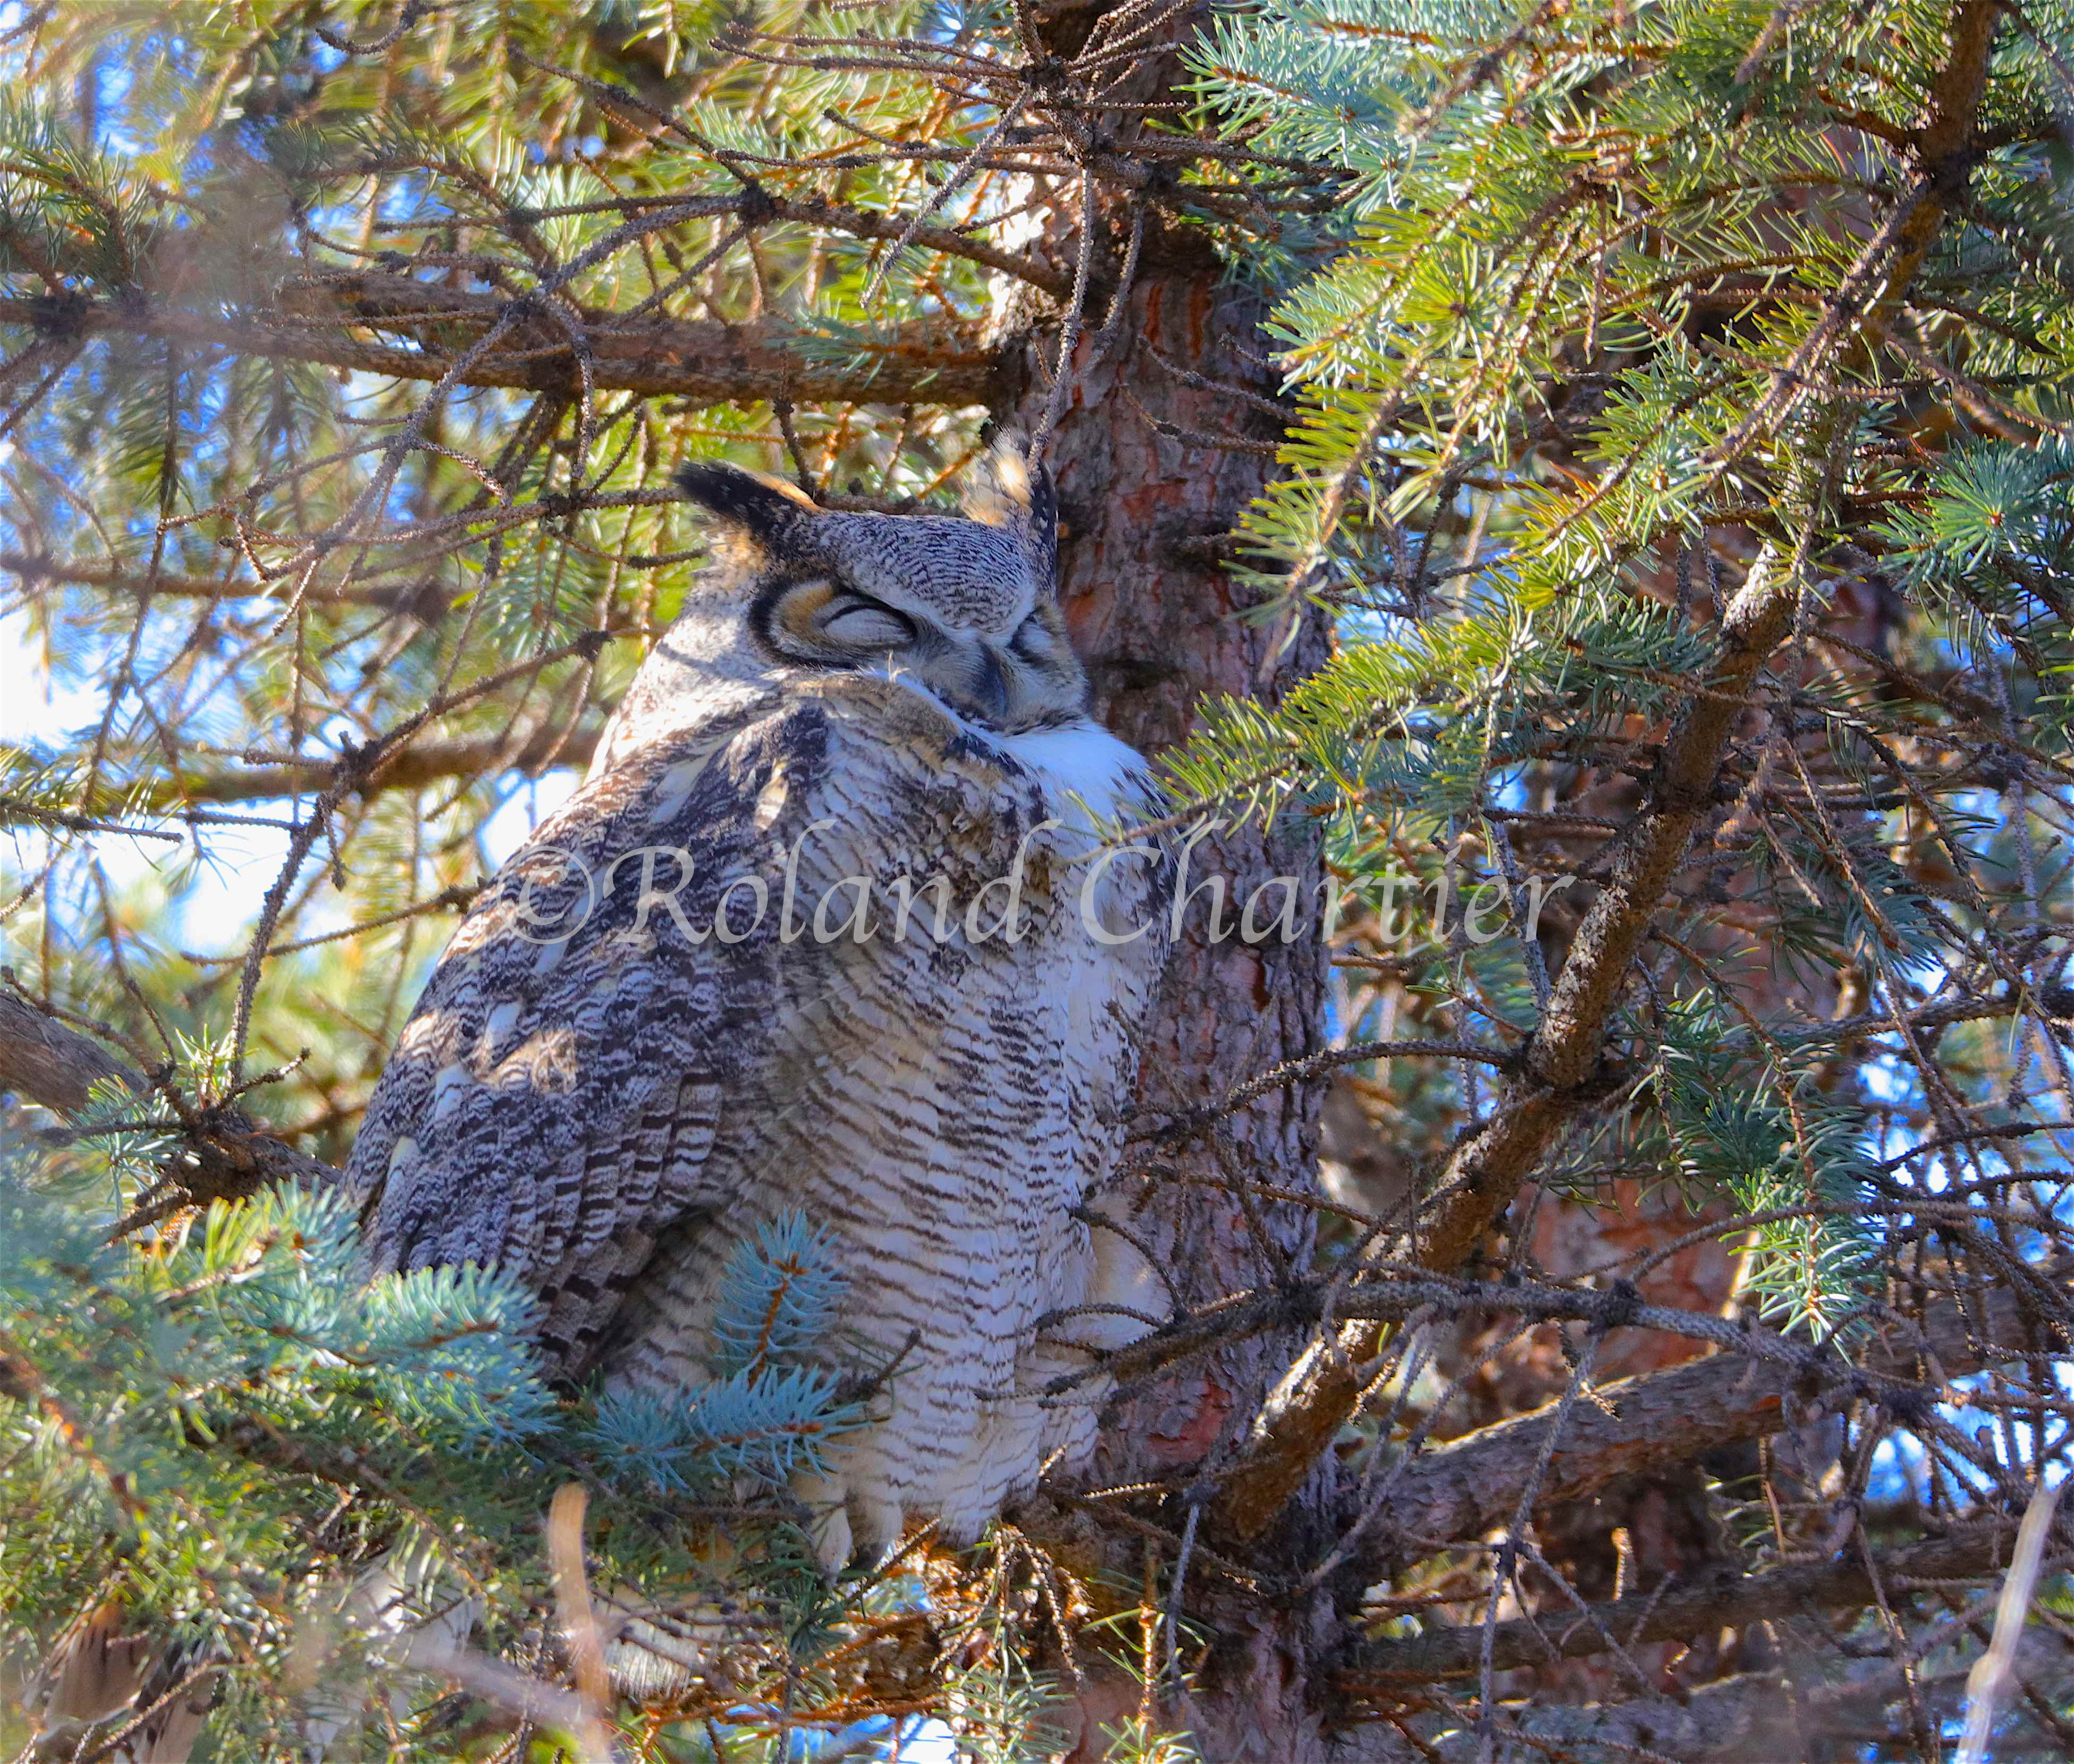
{"x": 767, "y": 510}
{"x": 1011, "y": 490}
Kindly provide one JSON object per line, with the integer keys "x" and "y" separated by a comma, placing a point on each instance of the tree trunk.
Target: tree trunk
{"x": 1161, "y": 627}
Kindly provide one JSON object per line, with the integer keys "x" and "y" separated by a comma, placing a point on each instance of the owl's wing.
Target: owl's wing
{"x": 552, "y": 1101}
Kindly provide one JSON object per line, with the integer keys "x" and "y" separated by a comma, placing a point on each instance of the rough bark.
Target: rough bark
{"x": 1161, "y": 628}
{"x": 1161, "y": 634}
{"x": 45, "y": 1062}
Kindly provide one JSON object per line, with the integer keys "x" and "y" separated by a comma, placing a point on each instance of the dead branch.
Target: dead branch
{"x": 46, "y": 1062}
{"x": 1721, "y": 1599}
{"x": 312, "y": 319}
{"x": 1459, "y": 1490}
{"x": 412, "y": 768}
{"x": 225, "y": 1155}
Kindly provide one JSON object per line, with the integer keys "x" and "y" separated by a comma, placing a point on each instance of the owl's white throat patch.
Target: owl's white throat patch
{"x": 1082, "y": 763}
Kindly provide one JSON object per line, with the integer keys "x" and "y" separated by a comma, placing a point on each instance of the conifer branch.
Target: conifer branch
{"x": 1548, "y": 621}
{"x": 225, "y": 1157}
{"x": 1565, "y": 1073}
{"x": 312, "y": 319}
{"x": 44, "y": 1062}
{"x": 411, "y": 768}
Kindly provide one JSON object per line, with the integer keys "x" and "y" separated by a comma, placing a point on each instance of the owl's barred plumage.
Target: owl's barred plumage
{"x": 600, "y": 1094}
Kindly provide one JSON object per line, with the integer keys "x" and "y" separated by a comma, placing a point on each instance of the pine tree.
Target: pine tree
{"x": 1591, "y": 483}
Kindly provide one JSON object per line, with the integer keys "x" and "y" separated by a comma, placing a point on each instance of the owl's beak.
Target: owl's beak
{"x": 990, "y": 688}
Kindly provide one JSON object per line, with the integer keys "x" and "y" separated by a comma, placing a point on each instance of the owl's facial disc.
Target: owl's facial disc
{"x": 966, "y": 609}
{"x": 1029, "y": 679}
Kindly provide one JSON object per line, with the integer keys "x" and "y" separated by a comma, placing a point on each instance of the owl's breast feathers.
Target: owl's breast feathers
{"x": 661, "y": 1024}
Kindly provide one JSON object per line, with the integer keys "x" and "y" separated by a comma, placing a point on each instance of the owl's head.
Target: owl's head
{"x": 967, "y": 608}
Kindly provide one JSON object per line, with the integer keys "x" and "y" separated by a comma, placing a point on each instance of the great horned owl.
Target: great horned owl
{"x": 614, "y": 1076}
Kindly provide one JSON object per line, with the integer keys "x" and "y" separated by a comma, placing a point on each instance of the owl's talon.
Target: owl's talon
{"x": 832, "y": 1544}
{"x": 827, "y": 1503}
{"x": 877, "y": 1522}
